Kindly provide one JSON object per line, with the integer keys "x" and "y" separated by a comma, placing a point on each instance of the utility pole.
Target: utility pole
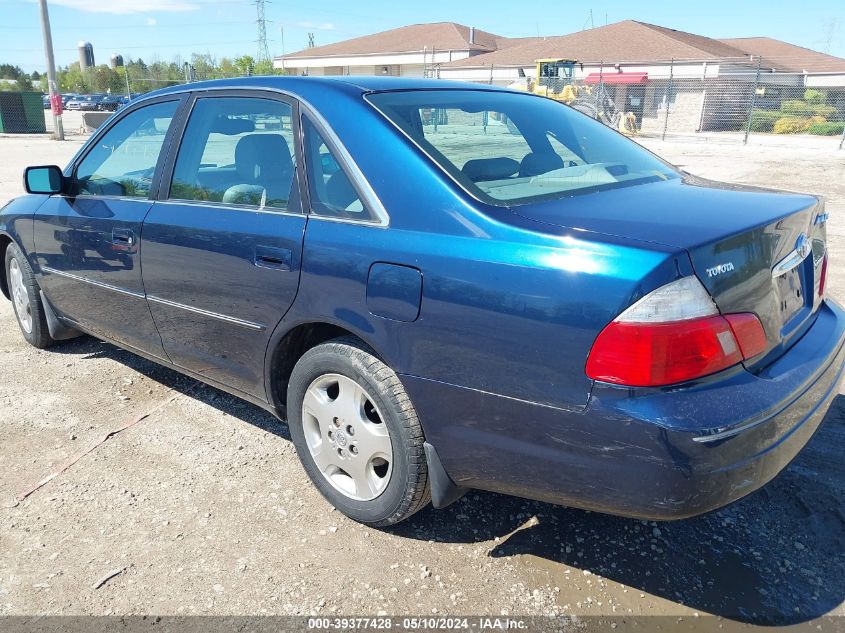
{"x": 126, "y": 75}
{"x": 261, "y": 21}
{"x": 52, "y": 85}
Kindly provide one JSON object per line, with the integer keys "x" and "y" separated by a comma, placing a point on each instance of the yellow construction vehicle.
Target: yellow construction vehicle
{"x": 553, "y": 79}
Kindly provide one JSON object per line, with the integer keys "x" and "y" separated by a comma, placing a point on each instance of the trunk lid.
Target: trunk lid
{"x": 754, "y": 250}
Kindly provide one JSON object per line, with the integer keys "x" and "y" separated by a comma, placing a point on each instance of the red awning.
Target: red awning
{"x": 617, "y": 78}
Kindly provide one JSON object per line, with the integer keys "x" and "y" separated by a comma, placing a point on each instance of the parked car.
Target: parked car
{"x": 45, "y": 100}
{"x": 110, "y": 103}
{"x": 84, "y": 102}
{"x": 507, "y": 296}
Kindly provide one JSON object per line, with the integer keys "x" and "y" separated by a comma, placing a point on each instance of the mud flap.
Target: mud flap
{"x": 444, "y": 491}
{"x": 58, "y": 330}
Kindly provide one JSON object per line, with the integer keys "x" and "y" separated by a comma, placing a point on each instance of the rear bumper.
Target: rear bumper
{"x": 646, "y": 453}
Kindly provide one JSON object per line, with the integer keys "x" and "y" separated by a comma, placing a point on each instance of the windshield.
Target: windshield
{"x": 509, "y": 148}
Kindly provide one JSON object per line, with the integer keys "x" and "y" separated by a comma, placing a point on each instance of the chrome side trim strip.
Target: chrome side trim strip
{"x": 99, "y": 284}
{"x": 137, "y": 295}
{"x": 225, "y": 207}
{"x": 212, "y": 315}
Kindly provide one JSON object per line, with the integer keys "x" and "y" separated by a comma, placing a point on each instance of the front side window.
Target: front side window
{"x": 236, "y": 151}
{"x": 508, "y": 148}
{"x": 124, "y": 160}
{"x": 331, "y": 191}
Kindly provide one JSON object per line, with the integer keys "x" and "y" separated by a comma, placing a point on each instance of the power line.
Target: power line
{"x": 24, "y": 27}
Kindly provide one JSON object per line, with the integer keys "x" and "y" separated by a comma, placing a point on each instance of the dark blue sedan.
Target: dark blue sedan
{"x": 443, "y": 286}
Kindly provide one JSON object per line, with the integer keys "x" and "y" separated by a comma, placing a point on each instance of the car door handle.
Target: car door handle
{"x": 273, "y": 258}
{"x": 123, "y": 239}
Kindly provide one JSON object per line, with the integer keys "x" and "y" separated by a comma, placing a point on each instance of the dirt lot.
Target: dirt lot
{"x": 203, "y": 508}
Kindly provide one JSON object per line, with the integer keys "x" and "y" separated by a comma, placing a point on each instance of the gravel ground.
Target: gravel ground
{"x": 202, "y": 507}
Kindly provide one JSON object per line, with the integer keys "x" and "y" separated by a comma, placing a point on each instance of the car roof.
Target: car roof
{"x": 347, "y": 83}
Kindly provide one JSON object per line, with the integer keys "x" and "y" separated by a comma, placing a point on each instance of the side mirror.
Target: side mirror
{"x": 43, "y": 179}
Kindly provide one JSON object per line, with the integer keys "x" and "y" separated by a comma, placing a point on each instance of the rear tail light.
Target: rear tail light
{"x": 673, "y": 335}
{"x": 823, "y": 276}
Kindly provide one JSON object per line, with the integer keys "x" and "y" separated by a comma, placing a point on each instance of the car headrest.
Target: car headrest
{"x": 263, "y": 157}
{"x": 232, "y": 126}
{"x": 484, "y": 169}
{"x": 535, "y": 164}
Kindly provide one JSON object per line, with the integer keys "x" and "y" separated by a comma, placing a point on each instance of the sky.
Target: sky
{"x": 162, "y": 29}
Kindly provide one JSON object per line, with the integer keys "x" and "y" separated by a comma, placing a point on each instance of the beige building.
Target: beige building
{"x": 702, "y": 83}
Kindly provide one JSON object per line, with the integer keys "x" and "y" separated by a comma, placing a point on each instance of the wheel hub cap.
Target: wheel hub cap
{"x": 347, "y": 437}
{"x": 20, "y": 296}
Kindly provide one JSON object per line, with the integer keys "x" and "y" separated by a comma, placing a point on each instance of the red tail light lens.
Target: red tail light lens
{"x": 749, "y": 333}
{"x": 658, "y": 354}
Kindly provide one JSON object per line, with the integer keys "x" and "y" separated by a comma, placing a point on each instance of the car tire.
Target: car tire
{"x": 26, "y": 299}
{"x": 342, "y": 401}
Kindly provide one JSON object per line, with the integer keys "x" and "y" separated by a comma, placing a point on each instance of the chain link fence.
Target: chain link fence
{"x": 730, "y": 99}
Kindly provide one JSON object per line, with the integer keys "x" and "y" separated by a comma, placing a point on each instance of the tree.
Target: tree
{"x": 35, "y": 75}
{"x": 205, "y": 65}
{"x": 25, "y": 83}
{"x": 245, "y": 65}
{"x": 72, "y": 79}
{"x": 104, "y": 79}
{"x": 227, "y": 68}
{"x": 7, "y": 71}
{"x": 265, "y": 68}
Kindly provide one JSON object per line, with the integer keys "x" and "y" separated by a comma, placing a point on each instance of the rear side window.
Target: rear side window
{"x": 331, "y": 191}
{"x": 237, "y": 151}
{"x": 123, "y": 161}
{"x": 508, "y": 148}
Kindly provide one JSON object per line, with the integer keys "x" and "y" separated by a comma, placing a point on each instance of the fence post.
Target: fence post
{"x": 668, "y": 98}
{"x": 842, "y": 140}
{"x": 753, "y": 102}
{"x": 599, "y": 89}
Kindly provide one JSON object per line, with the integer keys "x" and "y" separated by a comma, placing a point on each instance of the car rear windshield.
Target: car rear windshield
{"x": 508, "y": 148}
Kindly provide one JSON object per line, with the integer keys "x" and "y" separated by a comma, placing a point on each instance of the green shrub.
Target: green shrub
{"x": 826, "y": 129}
{"x": 764, "y": 120}
{"x": 796, "y": 107}
{"x": 825, "y": 111}
{"x": 791, "y": 125}
{"x": 816, "y": 97}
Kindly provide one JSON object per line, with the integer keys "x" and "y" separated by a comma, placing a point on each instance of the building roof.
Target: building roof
{"x": 627, "y": 41}
{"x": 785, "y": 56}
{"x": 407, "y": 39}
